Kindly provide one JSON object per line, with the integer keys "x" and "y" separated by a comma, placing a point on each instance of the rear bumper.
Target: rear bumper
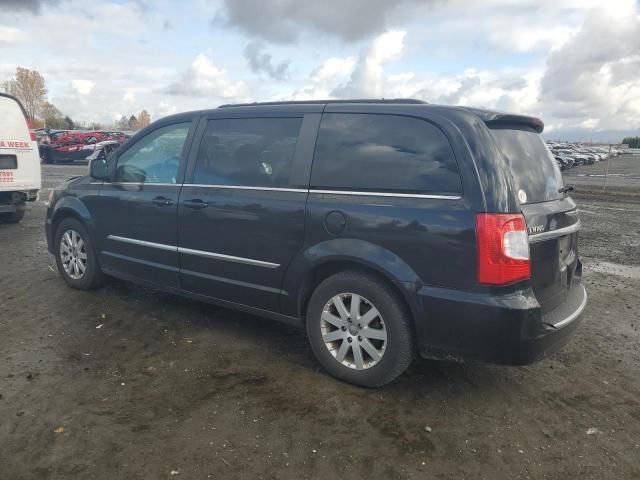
{"x": 14, "y": 200}
{"x": 506, "y": 330}
{"x": 8, "y": 208}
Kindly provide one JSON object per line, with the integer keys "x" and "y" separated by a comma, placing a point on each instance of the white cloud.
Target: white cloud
{"x": 325, "y": 78}
{"x": 367, "y": 77}
{"x": 82, "y": 87}
{"x": 594, "y": 79}
{"x": 204, "y": 79}
{"x": 10, "y": 35}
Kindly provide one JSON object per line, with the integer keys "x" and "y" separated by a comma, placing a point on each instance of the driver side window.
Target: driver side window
{"x": 155, "y": 157}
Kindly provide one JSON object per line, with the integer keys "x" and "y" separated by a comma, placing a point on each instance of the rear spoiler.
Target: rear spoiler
{"x": 498, "y": 119}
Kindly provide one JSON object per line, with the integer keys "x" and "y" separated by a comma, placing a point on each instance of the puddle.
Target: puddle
{"x": 601, "y": 175}
{"x": 613, "y": 269}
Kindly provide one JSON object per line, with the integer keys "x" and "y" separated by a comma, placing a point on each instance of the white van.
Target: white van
{"x": 19, "y": 160}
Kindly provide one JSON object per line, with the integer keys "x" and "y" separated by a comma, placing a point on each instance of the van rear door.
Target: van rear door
{"x": 551, "y": 216}
{"x": 19, "y": 159}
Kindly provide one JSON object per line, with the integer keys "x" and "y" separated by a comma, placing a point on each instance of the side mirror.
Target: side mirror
{"x": 98, "y": 169}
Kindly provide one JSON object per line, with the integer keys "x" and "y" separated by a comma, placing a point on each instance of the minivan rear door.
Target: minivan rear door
{"x": 551, "y": 216}
{"x": 19, "y": 159}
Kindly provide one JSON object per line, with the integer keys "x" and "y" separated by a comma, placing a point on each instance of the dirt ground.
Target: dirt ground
{"x": 125, "y": 382}
{"x": 622, "y": 175}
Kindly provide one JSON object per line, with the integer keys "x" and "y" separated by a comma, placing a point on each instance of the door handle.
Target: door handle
{"x": 195, "y": 204}
{"x": 162, "y": 201}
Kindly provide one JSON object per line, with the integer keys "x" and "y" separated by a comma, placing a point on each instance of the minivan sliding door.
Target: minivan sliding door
{"x": 241, "y": 212}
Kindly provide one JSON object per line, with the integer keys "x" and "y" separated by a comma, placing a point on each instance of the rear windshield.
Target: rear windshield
{"x": 533, "y": 167}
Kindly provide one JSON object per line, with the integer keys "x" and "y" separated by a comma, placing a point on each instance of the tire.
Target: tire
{"x": 13, "y": 217}
{"x": 389, "y": 332}
{"x": 45, "y": 157}
{"x": 92, "y": 276}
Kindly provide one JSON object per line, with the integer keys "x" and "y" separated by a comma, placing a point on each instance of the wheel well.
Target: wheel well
{"x": 62, "y": 215}
{"x": 325, "y": 270}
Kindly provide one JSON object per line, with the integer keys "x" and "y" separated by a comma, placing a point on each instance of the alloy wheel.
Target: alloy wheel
{"x": 353, "y": 331}
{"x": 73, "y": 254}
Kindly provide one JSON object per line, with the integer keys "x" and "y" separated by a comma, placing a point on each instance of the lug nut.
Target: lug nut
{"x": 359, "y": 338}
{"x": 349, "y": 340}
{"x": 344, "y": 329}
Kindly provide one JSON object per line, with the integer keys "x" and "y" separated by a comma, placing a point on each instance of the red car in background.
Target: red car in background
{"x": 76, "y": 146}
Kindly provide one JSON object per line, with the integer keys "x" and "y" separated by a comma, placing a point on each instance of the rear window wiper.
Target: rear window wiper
{"x": 567, "y": 188}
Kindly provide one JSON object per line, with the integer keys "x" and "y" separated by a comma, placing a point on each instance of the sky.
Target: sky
{"x": 573, "y": 63}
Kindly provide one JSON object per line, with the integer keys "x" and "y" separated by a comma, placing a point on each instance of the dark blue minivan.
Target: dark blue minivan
{"x": 386, "y": 228}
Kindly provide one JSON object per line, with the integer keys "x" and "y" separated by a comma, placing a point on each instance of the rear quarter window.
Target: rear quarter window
{"x": 535, "y": 171}
{"x": 384, "y": 153}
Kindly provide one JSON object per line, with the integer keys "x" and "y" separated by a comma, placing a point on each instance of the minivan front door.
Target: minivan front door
{"x": 242, "y": 209}
{"x": 136, "y": 217}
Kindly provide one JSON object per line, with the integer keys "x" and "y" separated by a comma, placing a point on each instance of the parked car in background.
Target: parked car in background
{"x": 73, "y": 146}
{"x": 103, "y": 149}
{"x": 385, "y": 228}
{"x": 19, "y": 163}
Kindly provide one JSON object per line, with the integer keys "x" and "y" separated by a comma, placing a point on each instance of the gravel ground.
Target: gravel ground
{"x": 622, "y": 175}
{"x": 125, "y": 382}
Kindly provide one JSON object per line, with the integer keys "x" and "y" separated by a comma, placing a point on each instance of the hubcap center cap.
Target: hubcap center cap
{"x": 353, "y": 329}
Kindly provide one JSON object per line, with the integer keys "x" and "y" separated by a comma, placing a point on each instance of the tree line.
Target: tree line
{"x": 30, "y": 88}
{"x": 633, "y": 142}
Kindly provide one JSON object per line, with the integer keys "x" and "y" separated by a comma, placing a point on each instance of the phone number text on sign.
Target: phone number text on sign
{"x": 6, "y": 177}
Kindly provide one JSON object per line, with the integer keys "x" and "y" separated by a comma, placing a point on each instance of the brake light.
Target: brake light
{"x": 32, "y": 132}
{"x": 503, "y": 248}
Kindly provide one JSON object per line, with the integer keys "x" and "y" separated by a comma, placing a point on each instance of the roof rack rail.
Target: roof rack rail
{"x": 320, "y": 102}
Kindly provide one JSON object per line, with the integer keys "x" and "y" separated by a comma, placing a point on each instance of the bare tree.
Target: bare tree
{"x": 48, "y": 111}
{"x": 28, "y": 86}
{"x": 144, "y": 119}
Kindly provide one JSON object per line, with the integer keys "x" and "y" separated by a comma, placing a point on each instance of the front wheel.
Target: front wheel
{"x": 75, "y": 256}
{"x": 359, "y": 329}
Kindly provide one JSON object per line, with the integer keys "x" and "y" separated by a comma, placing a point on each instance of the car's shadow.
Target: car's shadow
{"x": 289, "y": 344}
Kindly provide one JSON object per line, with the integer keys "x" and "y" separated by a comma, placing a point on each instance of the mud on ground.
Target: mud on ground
{"x": 125, "y": 382}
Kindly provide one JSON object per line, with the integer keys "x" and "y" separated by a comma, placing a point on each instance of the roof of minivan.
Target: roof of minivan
{"x": 490, "y": 117}
{"x": 406, "y": 101}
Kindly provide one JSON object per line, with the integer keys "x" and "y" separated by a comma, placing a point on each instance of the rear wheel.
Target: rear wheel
{"x": 75, "y": 256}
{"x": 359, "y": 329}
{"x": 13, "y": 217}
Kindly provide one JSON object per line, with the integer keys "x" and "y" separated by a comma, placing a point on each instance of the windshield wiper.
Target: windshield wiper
{"x": 567, "y": 188}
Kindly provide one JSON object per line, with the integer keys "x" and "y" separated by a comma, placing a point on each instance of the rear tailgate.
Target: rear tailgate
{"x": 551, "y": 216}
{"x": 555, "y": 266}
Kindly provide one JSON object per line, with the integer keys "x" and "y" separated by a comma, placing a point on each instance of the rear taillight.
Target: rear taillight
{"x": 503, "y": 248}
{"x": 32, "y": 132}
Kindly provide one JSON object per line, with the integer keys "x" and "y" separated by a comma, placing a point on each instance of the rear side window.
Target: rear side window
{"x": 538, "y": 178}
{"x": 384, "y": 153}
{"x": 255, "y": 152}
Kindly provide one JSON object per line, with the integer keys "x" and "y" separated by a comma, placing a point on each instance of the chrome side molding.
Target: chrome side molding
{"x": 190, "y": 251}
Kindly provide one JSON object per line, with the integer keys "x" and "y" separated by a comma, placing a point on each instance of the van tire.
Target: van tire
{"x": 13, "y": 217}
{"x": 92, "y": 277}
{"x": 394, "y": 319}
